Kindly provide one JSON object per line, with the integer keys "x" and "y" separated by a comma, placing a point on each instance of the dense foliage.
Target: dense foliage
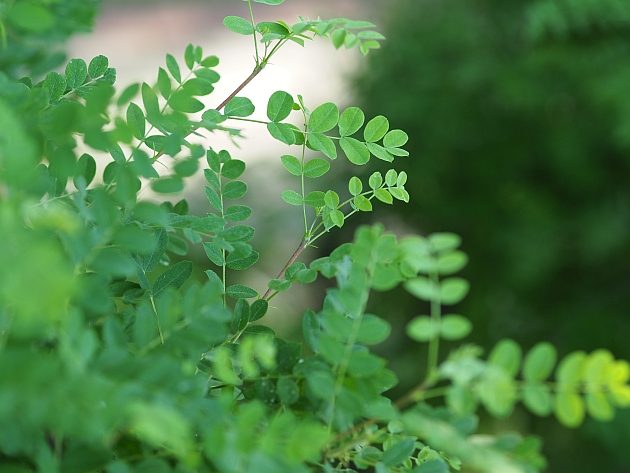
{"x": 520, "y": 115}
{"x": 114, "y": 359}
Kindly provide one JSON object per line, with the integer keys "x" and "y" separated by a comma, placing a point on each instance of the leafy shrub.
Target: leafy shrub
{"x": 113, "y": 359}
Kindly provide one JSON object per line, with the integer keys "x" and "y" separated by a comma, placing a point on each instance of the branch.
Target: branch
{"x": 240, "y": 87}
{"x": 243, "y": 84}
{"x": 296, "y": 254}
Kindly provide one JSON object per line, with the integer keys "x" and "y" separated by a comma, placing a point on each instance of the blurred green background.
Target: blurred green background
{"x": 519, "y": 118}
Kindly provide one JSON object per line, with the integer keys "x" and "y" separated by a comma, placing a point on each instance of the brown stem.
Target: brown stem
{"x": 243, "y": 84}
{"x": 296, "y": 254}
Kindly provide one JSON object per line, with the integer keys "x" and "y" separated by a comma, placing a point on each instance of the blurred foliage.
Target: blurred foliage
{"x": 520, "y": 118}
{"x": 32, "y": 31}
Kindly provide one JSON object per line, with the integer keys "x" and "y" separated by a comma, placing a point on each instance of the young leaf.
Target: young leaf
{"x": 279, "y": 106}
{"x": 292, "y": 197}
{"x": 331, "y": 199}
{"x": 98, "y": 66}
{"x": 355, "y": 186}
{"x": 380, "y": 152}
{"x": 135, "y": 120}
{"x": 168, "y": 185}
{"x": 316, "y": 168}
{"x": 76, "y": 72}
{"x": 395, "y": 139}
{"x": 292, "y": 164}
{"x": 356, "y": 151}
{"x": 455, "y": 327}
{"x": 164, "y": 83}
{"x": 240, "y": 291}
{"x": 507, "y": 356}
{"x": 350, "y": 121}
{"x": 323, "y": 143}
{"x": 173, "y": 68}
{"x": 422, "y": 329}
{"x": 376, "y": 180}
{"x": 233, "y": 169}
{"x": 151, "y": 104}
{"x": 183, "y": 101}
{"x": 362, "y": 203}
{"x": 234, "y": 190}
{"x": 384, "y": 196}
{"x": 189, "y": 56}
{"x": 238, "y": 25}
{"x": 239, "y": 107}
{"x": 539, "y": 362}
{"x": 376, "y": 129}
{"x": 283, "y": 132}
{"x": 237, "y": 213}
{"x": 323, "y": 118}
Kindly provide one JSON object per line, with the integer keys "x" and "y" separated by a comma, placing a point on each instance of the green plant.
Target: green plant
{"x": 113, "y": 359}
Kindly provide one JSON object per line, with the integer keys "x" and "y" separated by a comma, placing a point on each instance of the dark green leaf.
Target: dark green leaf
{"x": 174, "y": 276}
{"x": 135, "y": 120}
{"x": 237, "y": 213}
{"x": 183, "y": 101}
{"x": 76, "y": 73}
{"x": 259, "y": 309}
{"x": 98, "y": 66}
{"x": 234, "y": 190}
{"x": 233, "y": 169}
{"x": 173, "y": 68}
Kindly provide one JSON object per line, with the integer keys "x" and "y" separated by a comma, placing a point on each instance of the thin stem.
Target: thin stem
{"x": 251, "y": 120}
{"x": 157, "y": 318}
{"x": 296, "y": 254}
{"x": 242, "y": 85}
{"x": 251, "y": 15}
{"x": 303, "y": 187}
{"x": 434, "y": 343}
{"x": 223, "y": 265}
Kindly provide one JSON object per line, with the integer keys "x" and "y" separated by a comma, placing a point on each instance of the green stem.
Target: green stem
{"x": 303, "y": 187}
{"x": 434, "y": 343}
{"x": 223, "y": 265}
{"x": 296, "y": 254}
{"x": 251, "y": 15}
{"x": 157, "y": 318}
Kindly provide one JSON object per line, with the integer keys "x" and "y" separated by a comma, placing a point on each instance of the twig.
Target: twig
{"x": 296, "y": 254}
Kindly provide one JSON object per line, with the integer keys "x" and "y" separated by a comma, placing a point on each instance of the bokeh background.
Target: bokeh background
{"x": 519, "y": 118}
